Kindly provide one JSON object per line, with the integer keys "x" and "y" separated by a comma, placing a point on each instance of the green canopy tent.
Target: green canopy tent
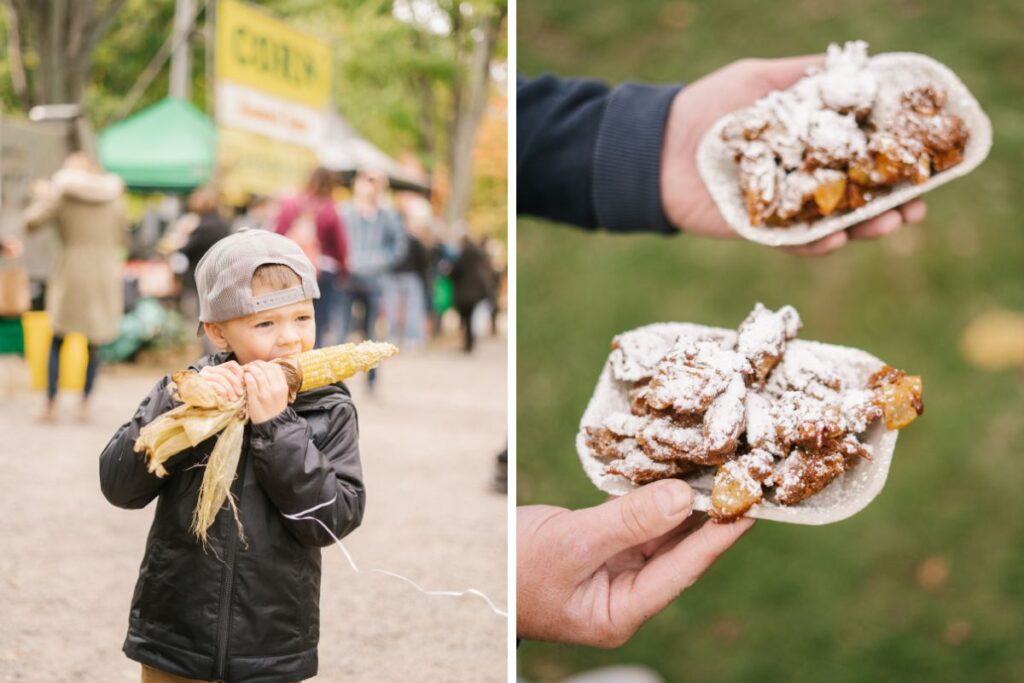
{"x": 169, "y": 146}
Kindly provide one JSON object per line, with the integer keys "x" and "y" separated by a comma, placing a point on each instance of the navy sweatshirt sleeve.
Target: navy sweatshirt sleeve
{"x": 591, "y": 155}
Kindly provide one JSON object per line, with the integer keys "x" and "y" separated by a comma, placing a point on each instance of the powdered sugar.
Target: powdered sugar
{"x": 667, "y": 446}
{"x": 834, "y": 139}
{"x": 778, "y": 122}
{"x": 757, "y": 164}
{"x": 743, "y": 477}
{"x": 692, "y": 375}
{"x": 858, "y": 409}
{"x": 759, "y": 465}
{"x": 624, "y": 424}
{"x": 665, "y": 431}
{"x": 763, "y": 336}
{"x": 817, "y": 115}
{"x": 761, "y": 432}
{"x": 637, "y": 466}
{"x": 847, "y": 84}
{"x": 636, "y": 353}
{"x": 725, "y": 419}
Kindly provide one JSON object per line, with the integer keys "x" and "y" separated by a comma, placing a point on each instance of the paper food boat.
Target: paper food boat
{"x": 847, "y": 495}
{"x": 904, "y": 70}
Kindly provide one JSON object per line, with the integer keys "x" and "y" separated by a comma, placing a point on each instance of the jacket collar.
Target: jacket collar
{"x": 96, "y": 188}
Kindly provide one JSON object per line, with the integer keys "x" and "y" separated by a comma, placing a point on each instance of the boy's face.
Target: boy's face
{"x": 266, "y": 335}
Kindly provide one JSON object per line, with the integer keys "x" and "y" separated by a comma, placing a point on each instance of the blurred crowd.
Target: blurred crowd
{"x": 385, "y": 270}
{"x": 387, "y": 266}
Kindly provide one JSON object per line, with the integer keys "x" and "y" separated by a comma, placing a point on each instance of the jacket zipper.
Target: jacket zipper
{"x": 224, "y": 622}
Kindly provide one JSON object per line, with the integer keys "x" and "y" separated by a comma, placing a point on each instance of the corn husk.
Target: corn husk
{"x": 205, "y": 414}
{"x": 220, "y": 472}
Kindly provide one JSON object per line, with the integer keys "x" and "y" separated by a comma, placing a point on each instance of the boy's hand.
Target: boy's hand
{"x": 267, "y": 389}
{"x": 227, "y": 380}
{"x": 686, "y": 200}
{"x": 594, "y": 576}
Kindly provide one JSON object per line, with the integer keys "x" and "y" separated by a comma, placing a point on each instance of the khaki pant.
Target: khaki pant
{"x": 151, "y": 675}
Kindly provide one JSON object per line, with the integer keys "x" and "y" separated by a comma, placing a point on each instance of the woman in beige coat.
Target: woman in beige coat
{"x": 85, "y": 291}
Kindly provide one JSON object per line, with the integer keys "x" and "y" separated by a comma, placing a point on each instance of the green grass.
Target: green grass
{"x": 839, "y": 603}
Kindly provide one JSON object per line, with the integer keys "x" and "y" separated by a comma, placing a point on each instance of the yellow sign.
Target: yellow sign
{"x": 251, "y": 163}
{"x": 258, "y": 51}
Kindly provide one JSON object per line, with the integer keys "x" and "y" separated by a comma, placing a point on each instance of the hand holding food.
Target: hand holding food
{"x": 755, "y": 420}
{"x": 227, "y": 379}
{"x": 594, "y": 576}
{"x": 843, "y": 144}
{"x": 701, "y": 105}
{"x": 266, "y": 391}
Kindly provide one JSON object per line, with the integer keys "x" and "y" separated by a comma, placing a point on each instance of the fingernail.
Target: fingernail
{"x": 672, "y": 500}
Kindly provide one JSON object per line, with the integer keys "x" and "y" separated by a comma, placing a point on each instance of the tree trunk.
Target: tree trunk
{"x": 64, "y": 34}
{"x": 50, "y": 52}
{"x": 16, "y": 56}
{"x": 428, "y": 143}
{"x": 94, "y": 25}
{"x": 468, "y": 116}
{"x": 455, "y": 16}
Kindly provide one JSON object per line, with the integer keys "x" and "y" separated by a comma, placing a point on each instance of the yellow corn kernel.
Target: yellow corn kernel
{"x": 321, "y": 367}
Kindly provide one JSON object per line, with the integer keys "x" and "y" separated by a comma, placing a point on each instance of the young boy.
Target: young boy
{"x": 244, "y": 609}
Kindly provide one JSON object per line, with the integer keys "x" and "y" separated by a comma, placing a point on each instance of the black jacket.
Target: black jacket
{"x": 590, "y": 155}
{"x": 243, "y": 610}
{"x": 416, "y": 261}
{"x": 472, "y": 277}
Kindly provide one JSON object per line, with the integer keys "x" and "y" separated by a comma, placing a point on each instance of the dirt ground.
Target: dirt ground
{"x": 429, "y": 436}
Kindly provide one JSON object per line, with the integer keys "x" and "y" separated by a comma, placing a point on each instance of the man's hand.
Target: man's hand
{"x": 594, "y": 576}
{"x": 267, "y": 389}
{"x": 227, "y": 380}
{"x": 695, "y": 109}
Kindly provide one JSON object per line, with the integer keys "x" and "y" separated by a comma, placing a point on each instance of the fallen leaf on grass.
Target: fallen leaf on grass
{"x": 994, "y": 340}
{"x": 933, "y": 573}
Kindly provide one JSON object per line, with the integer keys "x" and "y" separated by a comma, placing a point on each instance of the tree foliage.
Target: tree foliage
{"x": 134, "y": 34}
{"x": 412, "y": 74}
{"x": 50, "y": 44}
{"x": 399, "y": 80}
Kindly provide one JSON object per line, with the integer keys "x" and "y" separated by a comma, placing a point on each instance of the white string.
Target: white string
{"x": 297, "y": 515}
{"x": 304, "y": 516}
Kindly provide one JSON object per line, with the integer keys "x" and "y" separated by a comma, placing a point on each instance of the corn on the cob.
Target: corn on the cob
{"x": 320, "y": 367}
{"x": 205, "y": 414}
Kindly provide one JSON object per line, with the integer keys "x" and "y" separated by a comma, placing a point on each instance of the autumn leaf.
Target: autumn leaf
{"x": 994, "y": 340}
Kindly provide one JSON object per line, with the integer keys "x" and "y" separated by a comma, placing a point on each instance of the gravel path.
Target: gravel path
{"x": 429, "y": 435}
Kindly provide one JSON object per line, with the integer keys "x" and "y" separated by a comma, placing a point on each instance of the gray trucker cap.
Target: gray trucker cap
{"x": 224, "y": 275}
